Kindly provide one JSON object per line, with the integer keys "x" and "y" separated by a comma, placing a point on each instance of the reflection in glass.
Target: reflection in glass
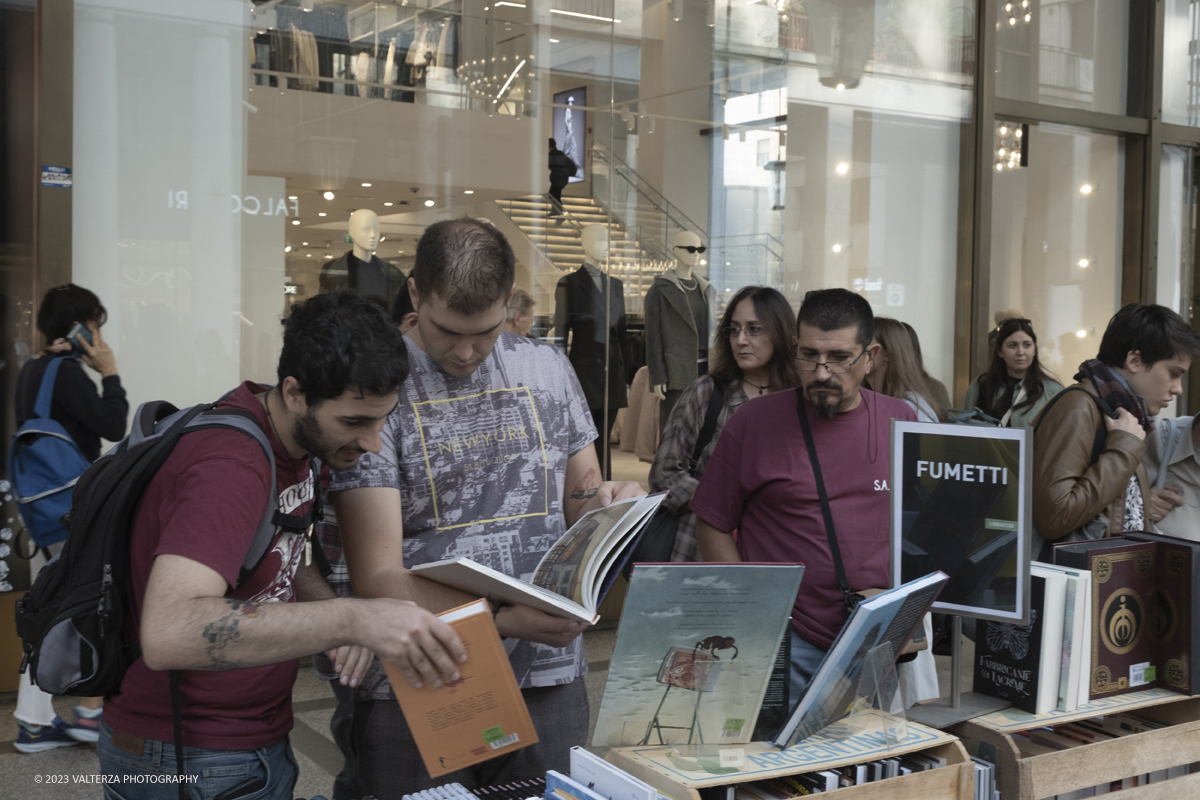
{"x": 1070, "y": 53}
{"x": 1056, "y": 241}
{"x": 1181, "y": 63}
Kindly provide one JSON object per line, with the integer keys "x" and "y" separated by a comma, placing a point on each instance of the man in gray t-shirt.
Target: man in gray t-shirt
{"x": 487, "y": 455}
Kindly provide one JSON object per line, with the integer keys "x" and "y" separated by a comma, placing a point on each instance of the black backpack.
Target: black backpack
{"x": 72, "y": 622}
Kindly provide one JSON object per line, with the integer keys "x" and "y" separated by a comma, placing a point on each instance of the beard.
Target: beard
{"x": 308, "y": 434}
{"x": 825, "y": 397}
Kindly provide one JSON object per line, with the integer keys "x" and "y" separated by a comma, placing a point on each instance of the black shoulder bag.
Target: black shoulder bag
{"x": 657, "y": 539}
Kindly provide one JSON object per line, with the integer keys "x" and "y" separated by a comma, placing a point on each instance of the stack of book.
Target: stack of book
{"x": 1065, "y": 736}
{"x": 827, "y": 780}
{"x": 1109, "y": 617}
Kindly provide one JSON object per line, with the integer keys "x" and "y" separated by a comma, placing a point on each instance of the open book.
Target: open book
{"x": 576, "y": 573}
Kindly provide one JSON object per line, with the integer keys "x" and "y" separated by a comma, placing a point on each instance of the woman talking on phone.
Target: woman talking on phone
{"x": 69, "y": 320}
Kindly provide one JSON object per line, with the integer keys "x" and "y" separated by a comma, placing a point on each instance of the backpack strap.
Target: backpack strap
{"x": 41, "y": 408}
{"x": 1106, "y": 410}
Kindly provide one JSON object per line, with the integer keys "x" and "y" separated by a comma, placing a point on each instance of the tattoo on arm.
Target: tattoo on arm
{"x": 587, "y": 488}
{"x": 220, "y": 633}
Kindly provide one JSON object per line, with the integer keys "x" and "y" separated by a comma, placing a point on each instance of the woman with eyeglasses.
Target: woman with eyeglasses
{"x": 754, "y": 356}
{"x": 1015, "y": 388}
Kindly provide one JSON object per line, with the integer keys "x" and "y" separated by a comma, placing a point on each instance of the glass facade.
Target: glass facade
{"x": 930, "y": 154}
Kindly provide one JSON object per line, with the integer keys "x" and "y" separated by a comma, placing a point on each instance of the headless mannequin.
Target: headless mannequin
{"x": 685, "y": 263}
{"x": 590, "y": 321}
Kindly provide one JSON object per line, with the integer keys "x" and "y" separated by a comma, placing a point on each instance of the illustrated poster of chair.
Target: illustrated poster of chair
{"x": 689, "y": 669}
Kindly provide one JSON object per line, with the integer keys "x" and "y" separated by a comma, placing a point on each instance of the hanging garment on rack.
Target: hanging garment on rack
{"x": 281, "y": 54}
{"x": 389, "y": 69}
{"x": 304, "y": 59}
{"x": 447, "y": 50}
{"x": 362, "y": 72}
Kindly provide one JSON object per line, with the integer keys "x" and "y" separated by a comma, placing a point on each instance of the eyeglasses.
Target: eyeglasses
{"x": 752, "y": 330}
{"x": 834, "y": 367}
{"x": 691, "y": 249}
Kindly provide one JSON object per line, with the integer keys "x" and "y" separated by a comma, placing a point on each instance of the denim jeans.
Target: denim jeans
{"x": 266, "y": 774}
{"x": 806, "y": 659}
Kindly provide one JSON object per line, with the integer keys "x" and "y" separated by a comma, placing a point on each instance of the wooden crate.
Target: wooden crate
{"x": 955, "y": 781}
{"x": 1036, "y": 777}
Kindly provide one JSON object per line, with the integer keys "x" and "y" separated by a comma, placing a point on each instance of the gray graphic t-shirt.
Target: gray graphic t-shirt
{"x": 480, "y": 463}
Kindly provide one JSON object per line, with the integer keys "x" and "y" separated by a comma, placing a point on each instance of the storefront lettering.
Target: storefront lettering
{"x": 254, "y": 206}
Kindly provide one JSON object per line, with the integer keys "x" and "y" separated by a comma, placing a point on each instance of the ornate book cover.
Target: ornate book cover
{"x": 1123, "y": 643}
{"x": 1176, "y": 623}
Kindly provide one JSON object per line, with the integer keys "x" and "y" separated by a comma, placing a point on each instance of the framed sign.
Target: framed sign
{"x": 961, "y": 503}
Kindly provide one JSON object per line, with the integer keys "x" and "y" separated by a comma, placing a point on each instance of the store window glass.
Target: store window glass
{"x": 1181, "y": 63}
{"x": 1070, "y": 53}
{"x": 1176, "y": 237}
{"x": 1056, "y": 237}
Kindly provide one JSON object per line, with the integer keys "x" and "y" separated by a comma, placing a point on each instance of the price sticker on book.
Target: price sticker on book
{"x": 733, "y": 758}
{"x": 1141, "y": 674}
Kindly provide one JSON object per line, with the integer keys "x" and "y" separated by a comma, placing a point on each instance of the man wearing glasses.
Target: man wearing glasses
{"x": 761, "y": 480}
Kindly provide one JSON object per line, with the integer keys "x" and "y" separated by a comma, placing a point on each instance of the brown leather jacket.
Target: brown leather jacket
{"x": 1067, "y": 492}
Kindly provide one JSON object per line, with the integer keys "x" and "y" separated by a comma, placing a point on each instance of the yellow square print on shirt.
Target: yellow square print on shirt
{"x": 485, "y": 456}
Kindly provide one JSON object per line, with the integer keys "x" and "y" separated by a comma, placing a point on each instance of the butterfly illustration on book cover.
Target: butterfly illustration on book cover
{"x": 1013, "y": 638}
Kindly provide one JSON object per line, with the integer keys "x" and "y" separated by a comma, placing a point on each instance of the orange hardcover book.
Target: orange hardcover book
{"x": 479, "y": 716}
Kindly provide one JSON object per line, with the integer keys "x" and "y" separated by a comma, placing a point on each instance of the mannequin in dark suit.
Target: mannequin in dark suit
{"x": 359, "y": 269}
{"x": 589, "y": 318}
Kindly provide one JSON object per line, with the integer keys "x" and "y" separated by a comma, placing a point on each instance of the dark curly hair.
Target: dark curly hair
{"x": 339, "y": 341}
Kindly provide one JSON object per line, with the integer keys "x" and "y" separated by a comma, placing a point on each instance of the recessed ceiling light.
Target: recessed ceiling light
{"x": 382, "y": 238}
{"x": 293, "y": 197}
{"x": 841, "y": 87}
{"x": 1085, "y": 189}
{"x": 320, "y": 213}
{"x": 305, "y": 244}
{"x": 308, "y": 255}
{"x": 469, "y": 191}
{"x": 366, "y": 186}
{"x": 429, "y": 204}
{"x": 1081, "y": 333}
{"x": 1083, "y": 262}
{"x": 554, "y": 41}
{"x": 837, "y": 248}
{"x": 843, "y": 168}
{"x": 329, "y": 256}
{"x": 387, "y": 204}
{"x": 295, "y": 222}
{"x": 329, "y": 195}
{"x": 287, "y": 249}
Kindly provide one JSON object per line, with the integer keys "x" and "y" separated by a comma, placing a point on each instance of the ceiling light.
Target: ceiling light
{"x": 387, "y": 204}
{"x": 293, "y": 197}
{"x": 837, "y": 248}
{"x": 1028, "y": 17}
{"x": 429, "y": 204}
{"x": 305, "y": 244}
{"x": 1003, "y": 130}
{"x": 511, "y": 5}
{"x": 703, "y": 263}
{"x": 841, "y": 87}
{"x": 329, "y": 256}
{"x": 1083, "y": 262}
{"x": 381, "y": 238}
{"x": 287, "y": 249}
{"x": 1085, "y": 189}
{"x": 366, "y": 186}
{"x": 469, "y": 191}
{"x": 321, "y": 214}
{"x": 842, "y": 168}
{"x": 999, "y": 166}
{"x": 329, "y": 195}
{"x": 582, "y": 16}
{"x": 295, "y": 222}
{"x": 504, "y": 88}
{"x": 1081, "y": 333}
{"x": 1017, "y": 133}
{"x": 554, "y": 41}
{"x": 308, "y": 255}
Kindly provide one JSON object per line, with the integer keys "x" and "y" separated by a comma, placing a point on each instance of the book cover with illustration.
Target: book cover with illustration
{"x": 481, "y": 715}
{"x": 695, "y": 651}
{"x": 1123, "y": 644}
{"x": 887, "y": 619}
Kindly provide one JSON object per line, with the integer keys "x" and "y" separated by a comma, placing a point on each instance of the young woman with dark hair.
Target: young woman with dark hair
{"x": 1015, "y": 388}
{"x": 754, "y": 356}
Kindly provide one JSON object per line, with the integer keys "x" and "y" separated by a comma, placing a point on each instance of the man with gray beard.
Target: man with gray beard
{"x": 761, "y": 481}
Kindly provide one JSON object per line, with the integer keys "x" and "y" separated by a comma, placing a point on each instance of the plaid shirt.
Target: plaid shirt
{"x": 670, "y": 471}
{"x": 326, "y": 532}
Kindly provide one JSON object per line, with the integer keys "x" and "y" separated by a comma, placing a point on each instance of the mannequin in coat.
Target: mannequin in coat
{"x": 359, "y": 270}
{"x": 677, "y": 335}
{"x": 594, "y": 335}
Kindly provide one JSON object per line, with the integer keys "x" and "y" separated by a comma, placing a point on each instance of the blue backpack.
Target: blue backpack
{"x": 44, "y": 463}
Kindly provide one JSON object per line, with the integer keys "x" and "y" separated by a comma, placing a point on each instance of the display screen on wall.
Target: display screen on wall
{"x": 570, "y": 126}
{"x": 961, "y": 504}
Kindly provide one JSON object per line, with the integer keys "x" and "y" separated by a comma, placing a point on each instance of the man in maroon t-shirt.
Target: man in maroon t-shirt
{"x": 236, "y": 646}
{"x": 760, "y": 482}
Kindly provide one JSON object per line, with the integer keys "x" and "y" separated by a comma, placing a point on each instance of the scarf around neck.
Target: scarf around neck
{"x": 1113, "y": 390}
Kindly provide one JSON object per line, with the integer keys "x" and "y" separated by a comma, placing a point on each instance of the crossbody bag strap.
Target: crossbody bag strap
{"x": 826, "y": 512}
{"x": 715, "y": 403}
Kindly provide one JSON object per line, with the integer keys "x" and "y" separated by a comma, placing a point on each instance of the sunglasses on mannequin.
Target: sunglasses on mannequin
{"x": 690, "y": 248}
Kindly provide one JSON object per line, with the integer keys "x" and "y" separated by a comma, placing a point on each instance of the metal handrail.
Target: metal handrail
{"x": 642, "y": 186}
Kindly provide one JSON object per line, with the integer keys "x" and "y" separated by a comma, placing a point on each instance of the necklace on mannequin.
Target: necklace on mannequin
{"x": 688, "y": 283}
